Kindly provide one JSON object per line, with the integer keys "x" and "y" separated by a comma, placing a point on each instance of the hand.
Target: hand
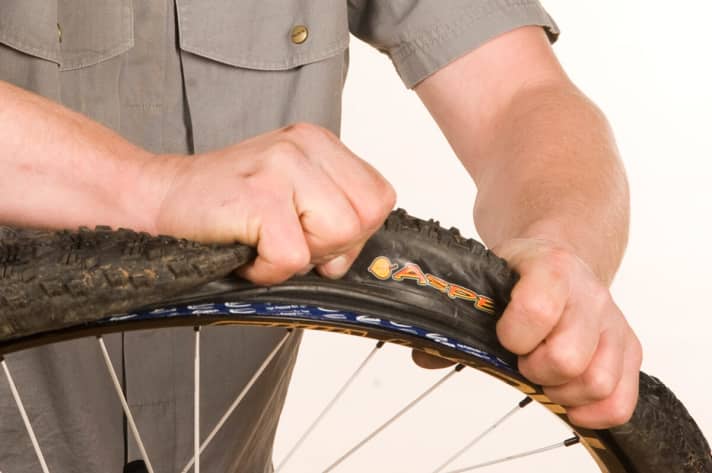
{"x": 570, "y": 336}
{"x": 297, "y": 194}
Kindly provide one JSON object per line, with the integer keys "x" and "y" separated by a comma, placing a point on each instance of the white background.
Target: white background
{"x": 647, "y": 65}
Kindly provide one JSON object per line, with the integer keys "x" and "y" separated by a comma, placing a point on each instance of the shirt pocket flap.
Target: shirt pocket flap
{"x": 94, "y": 31}
{"x": 72, "y": 34}
{"x": 263, "y": 34}
{"x": 30, "y": 26}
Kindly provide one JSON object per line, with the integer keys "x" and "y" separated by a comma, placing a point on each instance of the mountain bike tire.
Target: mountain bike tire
{"x": 414, "y": 283}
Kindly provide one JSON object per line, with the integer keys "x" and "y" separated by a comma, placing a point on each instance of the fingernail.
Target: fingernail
{"x": 336, "y": 267}
{"x": 306, "y": 269}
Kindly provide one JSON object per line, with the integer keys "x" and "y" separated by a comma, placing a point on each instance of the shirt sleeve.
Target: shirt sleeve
{"x": 422, "y": 36}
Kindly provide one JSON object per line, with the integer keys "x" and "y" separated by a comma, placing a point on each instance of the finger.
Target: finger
{"x": 330, "y": 224}
{"x": 617, "y": 408}
{"x": 600, "y": 378}
{"x": 369, "y": 193}
{"x": 537, "y": 303}
{"x": 338, "y": 266}
{"x": 428, "y": 361}
{"x": 282, "y": 249}
{"x": 567, "y": 350}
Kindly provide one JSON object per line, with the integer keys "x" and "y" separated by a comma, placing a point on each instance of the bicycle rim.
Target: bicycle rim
{"x": 421, "y": 286}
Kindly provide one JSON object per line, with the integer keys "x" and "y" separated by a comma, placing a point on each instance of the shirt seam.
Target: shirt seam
{"x": 444, "y": 31}
{"x": 250, "y": 61}
{"x": 86, "y": 60}
{"x": 40, "y": 52}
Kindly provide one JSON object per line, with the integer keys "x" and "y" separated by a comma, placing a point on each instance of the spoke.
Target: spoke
{"x": 237, "y": 400}
{"x": 124, "y": 404}
{"x": 196, "y": 402}
{"x": 328, "y": 407}
{"x": 522, "y": 404}
{"x": 394, "y": 418}
{"x": 566, "y": 443}
{"x": 25, "y": 418}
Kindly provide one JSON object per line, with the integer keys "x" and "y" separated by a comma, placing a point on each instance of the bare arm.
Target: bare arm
{"x": 60, "y": 169}
{"x": 285, "y": 192}
{"x": 553, "y": 199}
{"x": 541, "y": 153}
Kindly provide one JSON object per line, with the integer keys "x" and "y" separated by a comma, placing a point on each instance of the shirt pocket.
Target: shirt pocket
{"x": 71, "y": 33}
{"x": 268, "y": 35}
{"x": 257, "y": 65}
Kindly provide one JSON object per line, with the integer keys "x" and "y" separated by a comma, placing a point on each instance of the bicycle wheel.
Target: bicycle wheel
{"x": 414, "y": 284}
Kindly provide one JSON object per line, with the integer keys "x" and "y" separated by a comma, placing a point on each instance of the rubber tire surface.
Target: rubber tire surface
{"x": 51, "y": 280}
{"x": 59, "y": 279}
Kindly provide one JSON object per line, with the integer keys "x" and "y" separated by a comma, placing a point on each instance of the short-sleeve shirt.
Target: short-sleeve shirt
{"x": 188, "y": 76}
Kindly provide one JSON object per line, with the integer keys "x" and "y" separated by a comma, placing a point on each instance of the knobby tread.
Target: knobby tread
{"x": 62, "y": 278}
{"x": 662, "y": 436}
{"x": 489, "y": 266}
{"x": 400, "y": 221}
{"x": 51, "y": 280}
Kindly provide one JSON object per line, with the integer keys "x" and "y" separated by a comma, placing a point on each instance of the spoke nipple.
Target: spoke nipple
{"x": 380, "y": 344}
{"x": 572, "y": 441}
{"x": 460, "y": 367}
{"x": 525, "y": 402}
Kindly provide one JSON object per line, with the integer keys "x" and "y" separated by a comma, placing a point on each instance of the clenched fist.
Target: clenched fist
{"x": 569, "y": 334}
{"x": 297, "y": 194}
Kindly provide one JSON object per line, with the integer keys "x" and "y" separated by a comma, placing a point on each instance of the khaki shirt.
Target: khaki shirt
{"x": 187, "y": 76}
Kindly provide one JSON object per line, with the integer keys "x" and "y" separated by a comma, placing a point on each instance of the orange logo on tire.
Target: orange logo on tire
{"x": 382, "y": 268}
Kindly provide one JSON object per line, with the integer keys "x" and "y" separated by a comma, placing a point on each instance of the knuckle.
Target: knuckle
{"x": 566, "y": 360}
{"x": 295, "y": 259}
{"x": 374, "y": 210}
{"x": 372, "y": 215}
{"x": 536, "y": 308}
{"x": 307, "y": 131}
{"x": 344, "y": 231}
{"x": 621, "y": 412}
{"x": 297, "y": 127}
{"x": 511, "y": 338}
{"x": 283, "y": 150}
{"x": 599, "y": 383}
{"x": 326, "y": 133}
{"x": 506, "y": 339}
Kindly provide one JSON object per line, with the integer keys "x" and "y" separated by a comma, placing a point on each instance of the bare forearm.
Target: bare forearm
{"x": 60, "y": 169}
{"x": 553, "y": 201}
{"x": 550, "y": 170}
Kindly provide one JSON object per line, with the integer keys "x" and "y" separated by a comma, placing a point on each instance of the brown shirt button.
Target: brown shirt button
{"x": 300, "y": 33}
